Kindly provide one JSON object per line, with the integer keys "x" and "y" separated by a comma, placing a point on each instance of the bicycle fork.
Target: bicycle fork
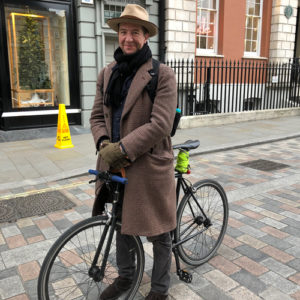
{"x": 95, "y": 272}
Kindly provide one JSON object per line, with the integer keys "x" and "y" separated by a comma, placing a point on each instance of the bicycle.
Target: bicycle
{"x": 82, "y": 262}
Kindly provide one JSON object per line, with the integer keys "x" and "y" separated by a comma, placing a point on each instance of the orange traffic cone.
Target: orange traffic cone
{"x": 63, "y": 139}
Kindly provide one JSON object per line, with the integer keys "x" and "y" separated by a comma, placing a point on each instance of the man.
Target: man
{"x": 133, "y": 132}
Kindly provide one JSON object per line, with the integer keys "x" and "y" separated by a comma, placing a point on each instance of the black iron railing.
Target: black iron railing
{"x": 219, "y": 86}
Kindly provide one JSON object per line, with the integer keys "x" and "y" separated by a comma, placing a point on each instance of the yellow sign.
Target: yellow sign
{"x": 63, "y": 139}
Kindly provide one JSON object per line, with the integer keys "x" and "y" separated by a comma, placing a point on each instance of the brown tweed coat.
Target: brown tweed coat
{"x": 149, "y": 206}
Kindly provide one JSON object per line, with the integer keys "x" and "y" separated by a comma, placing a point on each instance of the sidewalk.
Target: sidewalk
{"x": 28, "y": 157}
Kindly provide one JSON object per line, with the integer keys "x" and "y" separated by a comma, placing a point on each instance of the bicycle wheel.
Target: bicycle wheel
{"x": 203, "y": 235}
{"x": 65, "y": 270}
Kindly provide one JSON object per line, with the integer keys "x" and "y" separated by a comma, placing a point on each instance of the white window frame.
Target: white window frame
{"x": 257, "y": 53}
{"x": 121, "y": 3}
{"x": 203, "y": 52}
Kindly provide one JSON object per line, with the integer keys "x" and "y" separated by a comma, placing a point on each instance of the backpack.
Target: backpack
{"x": 151, "y": 89}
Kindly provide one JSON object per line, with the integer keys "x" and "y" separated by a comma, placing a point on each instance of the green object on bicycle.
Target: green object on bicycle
{"x": 183, "y": 164}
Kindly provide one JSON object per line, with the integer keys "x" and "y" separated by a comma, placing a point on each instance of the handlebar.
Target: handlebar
{"x": 108, "y": 176}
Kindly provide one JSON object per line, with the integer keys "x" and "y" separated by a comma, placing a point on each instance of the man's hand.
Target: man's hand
{"x": 112, "y": 154}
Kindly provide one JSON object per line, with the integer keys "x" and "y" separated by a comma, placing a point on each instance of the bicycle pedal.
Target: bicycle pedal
{"x": 185, "y": 276}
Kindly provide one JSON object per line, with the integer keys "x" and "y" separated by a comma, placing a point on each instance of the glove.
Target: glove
{"x": 113, "y": 156}
{"x": 104, "y": 143}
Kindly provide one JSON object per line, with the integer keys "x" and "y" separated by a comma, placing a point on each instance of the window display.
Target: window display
{"x": 38, "y": 61}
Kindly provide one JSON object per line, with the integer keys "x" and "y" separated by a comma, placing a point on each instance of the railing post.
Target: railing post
{"x": 206, "y": 89}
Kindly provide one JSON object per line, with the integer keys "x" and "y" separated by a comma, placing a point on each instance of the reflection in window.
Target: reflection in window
{"x": 206, "y": 25}
{"x": 38, "y": 57}
{"x": 253, "y": 20}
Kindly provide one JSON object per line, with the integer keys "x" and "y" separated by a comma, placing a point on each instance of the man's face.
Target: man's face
{"x": 131, "y": 38}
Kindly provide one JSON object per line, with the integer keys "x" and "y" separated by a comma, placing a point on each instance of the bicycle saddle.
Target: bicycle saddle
{"x": 188, "y": 145}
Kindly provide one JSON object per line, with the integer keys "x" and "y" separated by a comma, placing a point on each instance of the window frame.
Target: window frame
{"x": 214, "y": 51}
{"x": 259, "y": 34}
{"x": 71, "y": 35}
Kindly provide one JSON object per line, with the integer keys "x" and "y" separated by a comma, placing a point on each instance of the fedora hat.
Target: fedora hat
{"x": 134, "y": 14}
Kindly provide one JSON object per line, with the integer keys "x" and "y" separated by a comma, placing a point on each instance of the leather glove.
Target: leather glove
{"x": 113, "y": 156}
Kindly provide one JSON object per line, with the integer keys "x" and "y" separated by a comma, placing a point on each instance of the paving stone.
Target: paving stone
{"x": 51, "y": 233}
{"x": 243, "y": 293}
{"x": 251, "y": 252}
{"x": 15, "y": 241}
{"x": 249, "y": 281}
{"x": 278, "y": 267}
{"x": 291, "y": 223}
{"x": 273, "y": 223}
{"x": 181, "y": 291}
{"x": 11, "y": 286}
{"x": 250, "y": 266}
{"x": 275, "y": 242}
{"x": 252, "y": 231}
{"x": 233, "y": 232}
{"x": 292, "y": 231}
{"x": 294, "y": 251}
{"x": 212, "y": 292}
{"x": 8, "y": 272}
{"x": 11, "y": 230}
{"x": 18, "y": 256}
{"x": 29, "y": 270}
{"x": 83, "y": 209}
{"x": 224, "y": 265}
{"x": 31, "y": 288}
{"x": 30, "y": 231}
{"x": 228, "y": 253}
{"x": 219, "y": 279}
{"x": 295, "y": 264}
{"x": 251, "y": 241}
{"x": 272, "y": 293}
{"x": 279, "y": 282}
{"x": 2, "y": 267}
{"x": 293, "y": 240}
{"x": 277, "y": 254}
{"x": 275, "y": 232}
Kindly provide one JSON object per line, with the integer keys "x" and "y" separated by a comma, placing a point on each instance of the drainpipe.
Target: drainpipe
{"x": 161, "y": 29}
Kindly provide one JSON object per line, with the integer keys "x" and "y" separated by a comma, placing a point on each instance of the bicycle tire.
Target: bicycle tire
{"x": 200, "y": 248}
{"x": 64, "y": 272}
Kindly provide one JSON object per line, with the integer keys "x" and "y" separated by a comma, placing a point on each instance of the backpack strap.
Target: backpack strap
{"x": 152, "y": 84}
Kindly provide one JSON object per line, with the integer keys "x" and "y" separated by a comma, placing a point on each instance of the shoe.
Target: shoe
{"x": 156, "y": 296}
{"x": 116, "y": 289}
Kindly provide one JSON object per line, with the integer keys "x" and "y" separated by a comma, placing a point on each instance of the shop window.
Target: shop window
{"x": 206, "y": 29}
{"x": 253, "y": 27}
{"x": 38, "y": 56}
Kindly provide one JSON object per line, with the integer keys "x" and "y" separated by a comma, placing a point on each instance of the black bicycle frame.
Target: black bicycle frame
{"x": 112, "y": 221}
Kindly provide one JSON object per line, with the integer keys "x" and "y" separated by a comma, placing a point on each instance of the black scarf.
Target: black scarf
{"x": 126, "y": 66}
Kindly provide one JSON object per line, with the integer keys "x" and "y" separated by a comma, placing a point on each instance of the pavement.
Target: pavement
{"x": 260, "y": 255}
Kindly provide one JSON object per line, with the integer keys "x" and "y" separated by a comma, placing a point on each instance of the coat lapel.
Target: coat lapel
{"x": 139, "y": 82}
{"x": 107, "y": 109}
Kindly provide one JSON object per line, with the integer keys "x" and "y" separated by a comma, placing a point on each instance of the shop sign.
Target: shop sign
{"x": 87, "y": 1}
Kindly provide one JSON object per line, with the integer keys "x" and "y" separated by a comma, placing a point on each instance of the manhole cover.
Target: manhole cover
{"x": 264, "y": 165}
{"x": 33, "y": 205}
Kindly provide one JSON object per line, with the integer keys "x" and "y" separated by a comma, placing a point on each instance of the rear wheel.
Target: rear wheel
{"x": 203, "y": 232}
{"x": 66, "y": 271}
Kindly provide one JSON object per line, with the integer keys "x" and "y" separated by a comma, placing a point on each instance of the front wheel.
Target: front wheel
{"x": 202, "y": 218}
{"x": 66, "y": 270}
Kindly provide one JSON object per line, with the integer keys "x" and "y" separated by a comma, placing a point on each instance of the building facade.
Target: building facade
{"x": 52, "y": 50}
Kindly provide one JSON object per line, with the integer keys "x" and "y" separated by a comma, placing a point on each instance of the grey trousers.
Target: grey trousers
{"x": 162, "y": 257}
